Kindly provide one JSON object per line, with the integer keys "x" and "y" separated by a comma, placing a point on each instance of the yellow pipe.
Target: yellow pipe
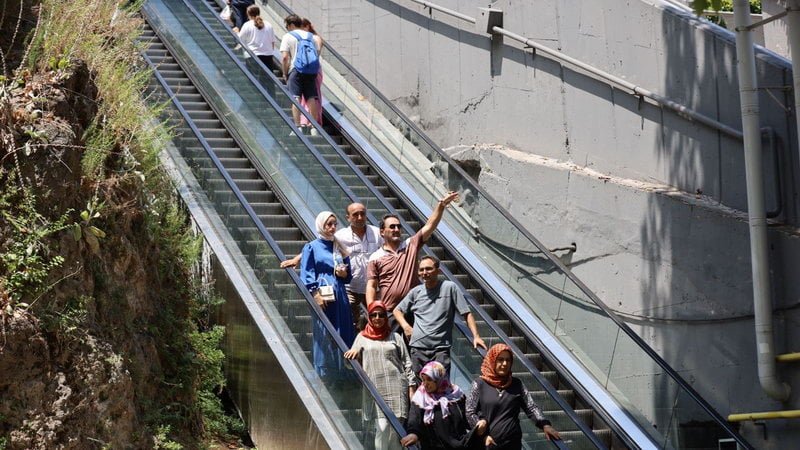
{"x": 793, "y": 414}
{"x": 788, "y": 357}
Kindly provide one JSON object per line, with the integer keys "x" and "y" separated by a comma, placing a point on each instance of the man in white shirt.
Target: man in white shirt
{"x": 362, "y": 240}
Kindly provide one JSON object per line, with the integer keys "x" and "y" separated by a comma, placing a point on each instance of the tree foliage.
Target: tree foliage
{"x": 722, "y": 5}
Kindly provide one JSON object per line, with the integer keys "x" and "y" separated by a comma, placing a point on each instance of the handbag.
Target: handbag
{"x": 326, "y": 291}
{"x": 226, "y": 13}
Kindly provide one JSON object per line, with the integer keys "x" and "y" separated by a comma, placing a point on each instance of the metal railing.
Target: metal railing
{"x": 639, "y": 91}
{"x": 266, "y": 236}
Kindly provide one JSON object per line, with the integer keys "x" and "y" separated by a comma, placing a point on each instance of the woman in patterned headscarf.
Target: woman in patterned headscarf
{"x": 437, "y": 415}
{"x": 495, "y": 401}
{"x": 386, "y": 361}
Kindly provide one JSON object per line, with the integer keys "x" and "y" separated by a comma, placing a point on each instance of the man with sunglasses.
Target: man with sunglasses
{"x": 433, "y": 305}
{"x": 392, "y": 270}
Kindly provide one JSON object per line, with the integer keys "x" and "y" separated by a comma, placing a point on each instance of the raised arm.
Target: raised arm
{"x": 436, "y": 215}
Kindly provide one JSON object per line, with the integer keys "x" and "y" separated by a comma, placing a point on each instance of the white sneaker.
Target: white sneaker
{"x": 314, "y": 132}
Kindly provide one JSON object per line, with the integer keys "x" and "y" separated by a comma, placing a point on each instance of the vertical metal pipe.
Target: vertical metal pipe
{"x": 793, "y": 35}
{"x": 762, "y": 302}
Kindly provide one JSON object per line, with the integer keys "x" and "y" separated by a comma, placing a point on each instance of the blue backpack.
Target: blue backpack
{"x": 306, "y": 59}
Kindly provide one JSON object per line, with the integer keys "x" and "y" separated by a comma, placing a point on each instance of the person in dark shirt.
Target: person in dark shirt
{"x": 495, "y": 401}
{"x": 239, "y": 12}
{"x": 437, "y": 417}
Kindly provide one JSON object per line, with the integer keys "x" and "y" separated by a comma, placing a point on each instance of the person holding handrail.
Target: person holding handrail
{"x": 433, "y": 306}
{"x": 385, "y": 359}
{"x": 495, "y": 401}
{"x": 361, "y": 240}
{"x": 325, "y": 269}
{"x": 437, "y": 418}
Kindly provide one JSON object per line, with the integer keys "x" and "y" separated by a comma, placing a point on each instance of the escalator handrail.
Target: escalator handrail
{"x": 358, "y": 370}
{"x": 555, "y": 260}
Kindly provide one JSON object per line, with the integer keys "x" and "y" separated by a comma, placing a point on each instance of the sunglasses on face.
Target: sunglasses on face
{"x": 375, "y": 315}
{"x": 393, "y": 226}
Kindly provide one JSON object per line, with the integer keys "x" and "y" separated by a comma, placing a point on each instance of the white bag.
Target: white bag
{"x": 226, "y": 14}
{"x": 326, "y": 291}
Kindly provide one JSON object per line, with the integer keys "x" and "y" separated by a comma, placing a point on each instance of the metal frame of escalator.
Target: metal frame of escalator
{"x": 461, "y": 326}
{"x": 600, "y": 304}
{"x": 360, "y": 373}
{"x": 460, "y": 323}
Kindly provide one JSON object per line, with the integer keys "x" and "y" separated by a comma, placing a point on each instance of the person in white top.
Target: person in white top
{"x": 259, "y": 37}
{"x": 300, "y": 74}
{"x": 361, "y": 240}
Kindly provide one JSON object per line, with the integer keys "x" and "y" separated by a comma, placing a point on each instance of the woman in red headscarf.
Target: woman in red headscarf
{"x": 385, "y": 359}
{"x": 495, "y": 401}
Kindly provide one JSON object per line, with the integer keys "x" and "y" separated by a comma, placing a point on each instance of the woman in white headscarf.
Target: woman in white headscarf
{"x": 325, "y": 263}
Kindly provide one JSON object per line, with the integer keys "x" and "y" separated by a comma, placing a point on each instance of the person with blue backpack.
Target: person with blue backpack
{"x": 300, "y": 63}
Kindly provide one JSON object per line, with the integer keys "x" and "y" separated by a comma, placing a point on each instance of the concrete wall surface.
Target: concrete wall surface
{"x": 654, "y": 203}
{"x": 439, "y": 70}
{"x": 674, "y": 266}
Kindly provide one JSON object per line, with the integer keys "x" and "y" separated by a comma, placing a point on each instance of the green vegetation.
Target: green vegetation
{"x": 123, "y": 204}
{"x": 722, "y": 5}
{"x": 26, "y": 259}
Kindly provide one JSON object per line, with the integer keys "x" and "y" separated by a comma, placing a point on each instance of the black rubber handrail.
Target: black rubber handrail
{"x": 524, "y": 231}
{"x": 359, "y": 371}
{"x": 353, "y": 198}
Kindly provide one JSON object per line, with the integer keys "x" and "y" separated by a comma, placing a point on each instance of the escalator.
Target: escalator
{"x": 334, "y": 181}
{"x": 248, "y": 176}
{"x": 261, "y": 228}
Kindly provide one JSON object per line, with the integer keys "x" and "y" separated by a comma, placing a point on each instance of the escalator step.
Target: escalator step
{"x": 214, "y": 133}
{"x": 195, "y": 106}
{"x": 202, "y": 115}
{"x": 229, "y": 152}
{"x": 279, "y": 234}
{"x": 235, "y": 163}
{"x": 189, "y": 97}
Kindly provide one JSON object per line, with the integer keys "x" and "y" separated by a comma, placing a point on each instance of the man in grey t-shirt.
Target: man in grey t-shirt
{"x": 433, "y": 305}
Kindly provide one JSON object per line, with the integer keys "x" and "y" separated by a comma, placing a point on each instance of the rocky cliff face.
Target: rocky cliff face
{"x": 98, "y": 306}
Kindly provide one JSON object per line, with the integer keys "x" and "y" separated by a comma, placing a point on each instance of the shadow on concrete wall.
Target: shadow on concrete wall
{"x": 677, "y": 260}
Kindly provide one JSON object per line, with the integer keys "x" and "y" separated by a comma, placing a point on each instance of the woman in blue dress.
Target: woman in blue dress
{"x": 325, "y": 262}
